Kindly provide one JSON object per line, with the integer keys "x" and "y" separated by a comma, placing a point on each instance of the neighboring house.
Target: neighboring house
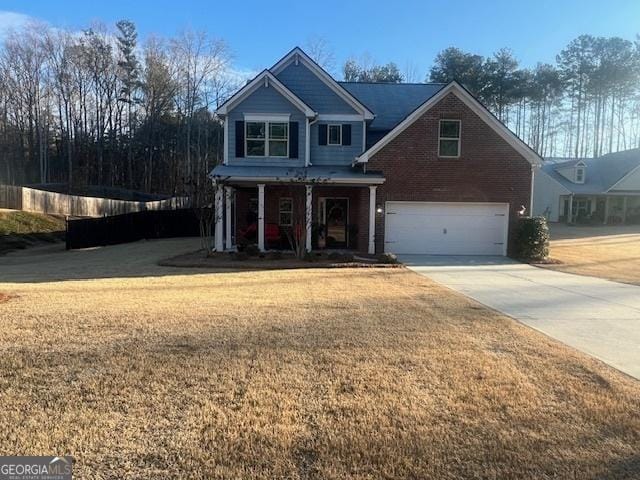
{"x": 403, "y": 168}
{"x": 591, "y": 190}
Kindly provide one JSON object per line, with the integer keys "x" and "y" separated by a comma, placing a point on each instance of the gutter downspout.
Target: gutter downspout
{"x": 533, "y": 176}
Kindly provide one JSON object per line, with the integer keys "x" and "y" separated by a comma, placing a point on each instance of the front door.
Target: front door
{"x": 336, "y": 213}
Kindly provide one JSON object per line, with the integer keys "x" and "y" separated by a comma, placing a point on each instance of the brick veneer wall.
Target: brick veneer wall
{"x": 488, "y": 170}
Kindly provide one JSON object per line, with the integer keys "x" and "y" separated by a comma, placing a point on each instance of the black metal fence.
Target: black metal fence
{"x": 131, "y": 227}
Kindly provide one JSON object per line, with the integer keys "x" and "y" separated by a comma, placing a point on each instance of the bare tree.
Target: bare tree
{"x": 320, "y": 50}
{"x": 198, "y": 60}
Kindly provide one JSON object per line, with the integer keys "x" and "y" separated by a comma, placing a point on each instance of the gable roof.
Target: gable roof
{"x": 470, "y": 101}
{"x": 297, "y": 54}
{"x": 391, "y": 102}
{"x": 602, "y": 173}
{"x": 265, "y": 78}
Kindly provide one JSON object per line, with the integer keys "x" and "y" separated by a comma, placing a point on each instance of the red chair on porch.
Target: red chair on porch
{"x": 272, "y": 234}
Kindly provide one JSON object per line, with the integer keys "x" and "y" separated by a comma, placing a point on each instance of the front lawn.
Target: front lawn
{"x": 607, "y": 252}
{"x": 342, "y": 373}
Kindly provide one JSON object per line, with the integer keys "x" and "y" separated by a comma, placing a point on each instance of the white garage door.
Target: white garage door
{"x": 446, "y": 228}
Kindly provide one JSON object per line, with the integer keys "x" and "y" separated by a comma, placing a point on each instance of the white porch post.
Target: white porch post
{"x": 372, "y": 219}
{"x": 606, "y": 210}
{"x": 308, "y": 215}
{"x": 228, "y": 223}
{"x": 624, "y": 209}
{"x": 218, "y": 218}
{"x": 570, "y": 219}
{"x": 261, "y": 217}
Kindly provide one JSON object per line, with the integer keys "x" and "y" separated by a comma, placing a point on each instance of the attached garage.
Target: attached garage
{"x": 454, "y": 228}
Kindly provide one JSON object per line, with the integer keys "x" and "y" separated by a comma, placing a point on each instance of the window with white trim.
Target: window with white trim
{"x": 579, "y": 174}
{"x": 449, "y": 139}
{"x": 267, "y": 139}
{"x": 334, "y": 135}
{"x": 285, "y": 212}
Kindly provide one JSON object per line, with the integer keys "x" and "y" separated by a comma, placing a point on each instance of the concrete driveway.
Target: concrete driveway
{"x": 599, "y": 317}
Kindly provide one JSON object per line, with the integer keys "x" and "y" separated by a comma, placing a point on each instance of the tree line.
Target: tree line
{"x": 586, "y": 104}
{"x": 99, "y": 107}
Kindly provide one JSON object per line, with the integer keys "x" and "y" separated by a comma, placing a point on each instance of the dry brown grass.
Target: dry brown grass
{"x": 300, "y": 374}
{"x": 591, "y": 251}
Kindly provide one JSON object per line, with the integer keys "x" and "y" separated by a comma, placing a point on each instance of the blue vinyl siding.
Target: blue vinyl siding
{"x": 312, "y": 90}
{"x": 336, "y": 154}
{"x": 266, "y": 100}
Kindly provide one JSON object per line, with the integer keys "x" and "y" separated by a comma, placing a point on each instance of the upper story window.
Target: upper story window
{"x": 449, "y": 139}
{"x": 334, "y": 135}
{"x": 267, "y": 139}
{"x": 580, "y": 174}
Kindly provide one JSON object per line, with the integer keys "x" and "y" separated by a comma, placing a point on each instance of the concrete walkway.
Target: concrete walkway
{"x": 599, "y": 317}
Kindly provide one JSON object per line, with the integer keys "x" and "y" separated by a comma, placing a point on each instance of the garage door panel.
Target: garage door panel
{"x": 446, "y": 228}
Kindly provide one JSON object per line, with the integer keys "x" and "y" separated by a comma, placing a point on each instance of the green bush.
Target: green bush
{"x": 532, "y": 238}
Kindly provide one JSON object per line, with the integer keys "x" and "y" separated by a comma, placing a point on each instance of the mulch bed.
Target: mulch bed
{"x": 286, "y": 262}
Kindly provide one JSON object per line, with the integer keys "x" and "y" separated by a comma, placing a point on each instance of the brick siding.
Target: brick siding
{"x": 488, "y": 170}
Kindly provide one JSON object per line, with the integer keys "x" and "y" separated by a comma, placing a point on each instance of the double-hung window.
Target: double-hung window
{"x": 285, "y": 212}
{"x": 449, "y": 139}
{"x": 267, "y": 139}
{"x": 334, "y": 135}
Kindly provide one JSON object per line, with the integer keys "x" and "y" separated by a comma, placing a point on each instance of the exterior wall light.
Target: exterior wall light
{"x": 379, "y": 209}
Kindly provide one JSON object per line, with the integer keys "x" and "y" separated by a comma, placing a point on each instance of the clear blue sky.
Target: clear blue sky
{"x": 259, "y": 32}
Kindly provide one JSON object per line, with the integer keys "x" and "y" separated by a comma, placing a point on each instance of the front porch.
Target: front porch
{"x": 302, "y": 210}
{"x": 612, "y": 209}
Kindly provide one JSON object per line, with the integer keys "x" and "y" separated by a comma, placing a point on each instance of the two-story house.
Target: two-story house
{"x": 373, "y": 167}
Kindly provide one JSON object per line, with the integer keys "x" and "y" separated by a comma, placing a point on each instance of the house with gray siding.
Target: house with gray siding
{"x": 603, "y": 190}
{"x": 308, "y": 156}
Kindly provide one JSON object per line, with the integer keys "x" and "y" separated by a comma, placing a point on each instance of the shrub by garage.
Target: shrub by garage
{"x": 532, "y": 238}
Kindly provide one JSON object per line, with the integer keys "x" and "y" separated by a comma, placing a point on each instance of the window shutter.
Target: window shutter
{"x": 239, "y": 139}
{"x": 293, "y": 139}
{"x": 346, "y": 134}
{"x": 322, "y": 134}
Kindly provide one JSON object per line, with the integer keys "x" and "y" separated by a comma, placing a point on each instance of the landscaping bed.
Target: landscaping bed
{"x": 278, "y": 260}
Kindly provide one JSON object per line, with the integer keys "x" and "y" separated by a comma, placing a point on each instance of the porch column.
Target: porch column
{"x": 606, "y": 209}
{"x": 228, "y": 223}
{"x": 570, "y": 219}
{"x": 372, "y": 219}
{"x": 217, "y": 219}
{"x": 624, "y": 209}
{"x": 261, "y": 217}
{"x": 308, "y": 215}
